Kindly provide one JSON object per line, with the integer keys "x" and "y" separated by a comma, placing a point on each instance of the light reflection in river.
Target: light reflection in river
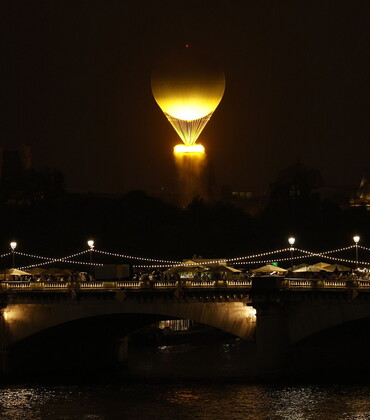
{"x": 216, "y": 397}
{"x": 191, "y": 401}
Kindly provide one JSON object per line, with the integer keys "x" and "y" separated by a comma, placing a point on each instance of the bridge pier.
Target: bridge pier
{"x": 272, "y": 326}
{"x": 271, "y": 340}
{"x": 3, "y": 348}
{"x": 123, "y": 351}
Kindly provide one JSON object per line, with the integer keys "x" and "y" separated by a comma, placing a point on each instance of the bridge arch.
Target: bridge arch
{"x": 91, "y": 333}
{"x": 28, "y": 319}
{"x": 340, "y": 349}
{"x": 312, "y": 317}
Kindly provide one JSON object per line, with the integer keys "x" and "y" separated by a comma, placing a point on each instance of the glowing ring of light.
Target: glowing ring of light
{"x": 194, "y": 148}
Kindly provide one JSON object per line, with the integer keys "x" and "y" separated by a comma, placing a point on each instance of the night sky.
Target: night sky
{"x": 76, "y": 87}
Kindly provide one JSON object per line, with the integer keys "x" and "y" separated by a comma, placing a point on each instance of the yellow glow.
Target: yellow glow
{"x": 190, "y": 160}
{"x": 5, "y": 315}
{"x": 188, "y": 89}
{"x": 189, "y": 109}
{"x": 188, "y": 95}
{"x": 250, "y": 312}
{"x": 192, "y": 149}
{"x": 11, "y": 314}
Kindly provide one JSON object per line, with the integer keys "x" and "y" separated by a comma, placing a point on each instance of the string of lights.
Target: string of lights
{"x": 49, "y": 260}
{"x": 5, "y": 255}
{"x": 321, "y": 254}
{"x": 333, "y": 251}
{"x": 162, "y": 263}
{"x": 77, "y": 254}
{"x": 295, "y": 258}
{"x": 60, "y": 260}
{"x": 236, "y": 263}
{"x": 236, "y": 260}
{"x": 262, "y": 254}
{"x": 224, "y": 261}
{"x": 130, "y": 257}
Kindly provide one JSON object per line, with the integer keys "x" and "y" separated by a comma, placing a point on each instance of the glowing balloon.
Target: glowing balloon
{"x": 188, "y": 90}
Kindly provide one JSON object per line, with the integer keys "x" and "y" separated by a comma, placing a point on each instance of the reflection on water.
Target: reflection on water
{"x": 232, "y": 401}
{"x": 125, "y": 398}
{"x": 229, "y": 357}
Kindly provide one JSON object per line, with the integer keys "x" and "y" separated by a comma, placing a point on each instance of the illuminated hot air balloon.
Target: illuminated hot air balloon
{"x": 188, "y": 90}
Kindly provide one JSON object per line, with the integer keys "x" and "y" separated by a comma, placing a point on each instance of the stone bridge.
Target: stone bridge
{"x": 296, "y": 324}
{"x": 306, "y": 326}
{"x": 56, "y": 326}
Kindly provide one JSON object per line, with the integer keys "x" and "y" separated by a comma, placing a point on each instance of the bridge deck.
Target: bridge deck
{"x": 245, "y": 284}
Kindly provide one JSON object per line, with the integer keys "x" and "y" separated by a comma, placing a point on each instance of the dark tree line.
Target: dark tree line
{"x": 57, "y": 223}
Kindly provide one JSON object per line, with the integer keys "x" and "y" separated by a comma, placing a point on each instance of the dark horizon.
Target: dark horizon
{"x": 76, "y": 87}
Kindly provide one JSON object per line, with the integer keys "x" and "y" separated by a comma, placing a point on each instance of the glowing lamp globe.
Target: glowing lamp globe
{"x": 291, "y": 241}
{"x": 188, "y": 89}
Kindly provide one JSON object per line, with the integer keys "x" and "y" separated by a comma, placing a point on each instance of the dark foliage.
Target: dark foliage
{"x": 138, "y": 224}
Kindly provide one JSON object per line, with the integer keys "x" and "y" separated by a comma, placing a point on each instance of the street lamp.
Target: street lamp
{"x": 356, "y": 240}
{"x": 91, "y": 244}
{"x": 13, "y": 245}
{"x": 291, "y": 241}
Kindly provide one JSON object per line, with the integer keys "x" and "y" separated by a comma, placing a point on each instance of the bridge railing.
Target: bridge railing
{"x": 165, "y": 284}
{"x": 299, "y": 283}
{"x": 288, "y": 283}
{"x": 364, "y": 284}
{"x": 109, "y": 285}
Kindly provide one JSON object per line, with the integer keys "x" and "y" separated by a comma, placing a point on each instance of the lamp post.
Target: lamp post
{"x": 91, "y": 244}
{"x": 356, "y": 240}
{"x": 291, "y": 241}
{"x": 13, "y": 245}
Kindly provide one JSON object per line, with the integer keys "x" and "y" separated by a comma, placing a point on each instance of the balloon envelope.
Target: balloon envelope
{"x": 188, "y": 89}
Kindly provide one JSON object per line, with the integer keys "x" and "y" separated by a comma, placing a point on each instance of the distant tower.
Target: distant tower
{"x": 362, "y": 196}
{"x": 295, "y": 182}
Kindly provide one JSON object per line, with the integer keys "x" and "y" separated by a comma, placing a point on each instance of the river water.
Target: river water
{"x": 184, "y": 401}
{"x": 183, "y": 381}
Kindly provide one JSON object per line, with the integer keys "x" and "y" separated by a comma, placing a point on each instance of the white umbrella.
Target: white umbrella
{"x": 184, "y": 269}
{"x": 295, "y": 267}
{"x": 321, "y": 265}
{"x": 308, "y": 269}
{"x": 37, "y": 271}
{"x": 269, "y": 268}
{"x": 337, "y": 267}
{"x": 16, "y": 272}
{"x": 224, "y": 268}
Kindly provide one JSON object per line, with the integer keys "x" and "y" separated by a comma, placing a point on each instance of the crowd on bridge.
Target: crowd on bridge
{"x": 45, "y": 275}
{"x": 196, "y": 271}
